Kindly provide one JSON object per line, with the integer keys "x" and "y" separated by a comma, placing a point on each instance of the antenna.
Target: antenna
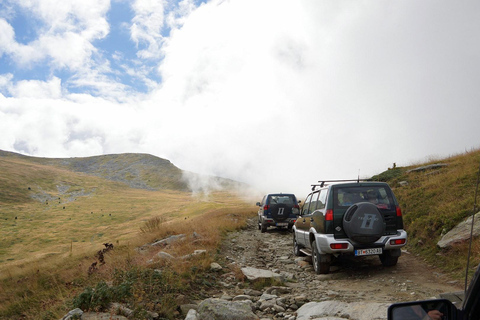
{"x": 471, "y": 230}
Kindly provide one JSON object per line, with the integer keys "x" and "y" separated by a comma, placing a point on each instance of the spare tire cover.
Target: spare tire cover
{"x": 363, "y": 223}
{"x": 280, "y": 211}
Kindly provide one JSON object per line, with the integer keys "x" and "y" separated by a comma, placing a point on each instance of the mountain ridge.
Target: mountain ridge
{"x": 136, "y": 170}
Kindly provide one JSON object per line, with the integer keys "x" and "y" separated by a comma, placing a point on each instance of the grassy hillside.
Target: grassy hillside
{"x": 434, "y": 200}
{"x": 56, "y": 214}
{"x": 140, "y": 171}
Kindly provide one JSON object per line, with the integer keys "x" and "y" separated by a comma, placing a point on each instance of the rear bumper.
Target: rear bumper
{"x": 272, "y": 223}
{"x": 325, "y": 242}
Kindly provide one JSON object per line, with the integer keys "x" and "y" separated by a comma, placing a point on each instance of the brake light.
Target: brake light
{"x": 265, "y": 207}
{"x": 399, "y": 211}
{"x": 397, "y": 242}
{"x": 338, "y": 246}
{"x": 329, "y": 215}
{"x": 296, "y": 206}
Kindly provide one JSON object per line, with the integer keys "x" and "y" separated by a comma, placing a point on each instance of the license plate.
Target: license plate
{"x": 368, "y": 252}
{"x": 282, "y": 224}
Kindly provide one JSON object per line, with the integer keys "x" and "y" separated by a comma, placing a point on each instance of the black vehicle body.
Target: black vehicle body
{"x": 277, "y": 210}
{"x": 469, "y": 309}
{"x": 361, "y": 218}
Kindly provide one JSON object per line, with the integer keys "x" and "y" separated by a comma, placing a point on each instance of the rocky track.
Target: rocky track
{"x": 350, "y": 280}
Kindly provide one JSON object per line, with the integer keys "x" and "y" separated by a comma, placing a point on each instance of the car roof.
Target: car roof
{"x": 360, "y": 184}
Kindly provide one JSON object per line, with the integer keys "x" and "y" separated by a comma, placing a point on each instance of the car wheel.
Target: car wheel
{"x": 363, "y": 223}
{"x": 296, "y": 247}
{"x": 259, "y": 225}
{"x": 387, "y": 259}
{"x": 321, "y": 262}
{"x": 263, "y": 227}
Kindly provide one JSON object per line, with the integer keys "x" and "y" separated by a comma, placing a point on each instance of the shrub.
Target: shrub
{"x": 152, "y": 225}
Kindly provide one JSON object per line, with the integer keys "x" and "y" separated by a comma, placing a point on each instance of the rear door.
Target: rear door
{"x": 301, "y": 225}
{"x": 378, "y": 194}
{"x": 307, "y": 217}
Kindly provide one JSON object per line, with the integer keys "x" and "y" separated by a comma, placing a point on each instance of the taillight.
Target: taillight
{"x": 338, "y": 246}
{"x": 397, "y": 242}
{"x": 399, "y": 211}
{"x": 296, "y": 206}
{"x": 329, "y": 215}
{"x": 265, "y": 207}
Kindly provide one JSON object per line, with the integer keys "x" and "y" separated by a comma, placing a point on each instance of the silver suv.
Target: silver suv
{"x": 361, "y": 218}
{"x": 277, "y": 210}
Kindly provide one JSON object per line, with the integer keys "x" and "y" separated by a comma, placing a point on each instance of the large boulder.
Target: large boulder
{"x": 461, "y": 232}
{"x": 255, "y": 274}
{"x": 218, "y": 309}
{"x": 333, "y": 310}
{"x": 101, "y": 316}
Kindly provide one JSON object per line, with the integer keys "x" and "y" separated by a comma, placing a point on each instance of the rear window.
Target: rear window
{"x": 282, "y": 198}
{"x": 380, "y": 196}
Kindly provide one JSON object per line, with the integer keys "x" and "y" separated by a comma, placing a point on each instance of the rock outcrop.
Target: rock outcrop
{"x": 461, "y": 232}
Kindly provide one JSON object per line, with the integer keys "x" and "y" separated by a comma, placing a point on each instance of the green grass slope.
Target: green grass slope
{"x": 56, "y": 214}
{"x": 141, "y": 171}
{"x": 434, "y": 199}
{"x": 49, "y": 207}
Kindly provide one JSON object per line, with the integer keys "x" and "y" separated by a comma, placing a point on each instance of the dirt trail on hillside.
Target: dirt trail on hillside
{"x": 349, "y": 280}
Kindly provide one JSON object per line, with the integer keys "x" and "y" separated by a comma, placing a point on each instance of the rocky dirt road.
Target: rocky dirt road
{"x": 349, "y": 280}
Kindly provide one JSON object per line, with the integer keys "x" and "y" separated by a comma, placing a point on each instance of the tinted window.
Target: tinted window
{"x": 380, "y": 196}
{"x": 313, "y": 203}
{"x": 306, "y": 204}
{"x": 288, "y": 199}
{"x": 322, "y": 199}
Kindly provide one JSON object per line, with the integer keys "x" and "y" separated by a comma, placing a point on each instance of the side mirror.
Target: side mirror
{"x": 258, "y": 204}
{"x": 429, "y": 309}
{"x": 299, "y": 201}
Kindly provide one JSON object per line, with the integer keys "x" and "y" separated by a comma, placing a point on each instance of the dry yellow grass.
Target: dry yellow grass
{"x": 53, "y": 221}
{"x": 66, "y": 271}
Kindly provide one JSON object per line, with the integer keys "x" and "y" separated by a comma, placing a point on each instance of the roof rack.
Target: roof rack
{"x": 322, "y": 182}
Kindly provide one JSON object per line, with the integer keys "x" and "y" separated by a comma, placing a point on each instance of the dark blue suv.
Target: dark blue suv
{"x": 277, "y": 210}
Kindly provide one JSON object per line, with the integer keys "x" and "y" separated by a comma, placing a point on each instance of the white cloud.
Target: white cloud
{"x": 275, "y": 93}
{"x": 6, "y": 37}
{"x": 38, "y": 89}
{"x": 147, "y": 26}
{"x": 66, "y": 33}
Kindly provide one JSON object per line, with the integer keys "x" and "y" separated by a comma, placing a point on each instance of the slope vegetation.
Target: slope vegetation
{"x": 435, "y": 197}
{"x": 140, "y": 171}
{"x": 53, "y": 207}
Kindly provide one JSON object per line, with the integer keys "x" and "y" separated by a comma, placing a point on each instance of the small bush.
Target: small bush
{"x": 96, "y": 299}
{"x": 152, "y": 225}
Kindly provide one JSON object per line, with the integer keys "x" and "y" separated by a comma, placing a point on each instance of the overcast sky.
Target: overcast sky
{"x": 275, "y": 93}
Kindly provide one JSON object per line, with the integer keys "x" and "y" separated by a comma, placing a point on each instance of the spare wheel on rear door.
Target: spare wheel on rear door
{"x": 363, "y": 223}
{"x": 280, "y": 211}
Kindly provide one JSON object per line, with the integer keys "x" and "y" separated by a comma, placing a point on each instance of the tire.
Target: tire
{"x": 363, "y": 223}
{"x": 388, "y": 259}
{"x": 321, "y": 262}
{"x": 296, "y": 247}
{"x": 280, "y": 212}
{"x": 263, "y": 227}
{"x": 259, "y": 225}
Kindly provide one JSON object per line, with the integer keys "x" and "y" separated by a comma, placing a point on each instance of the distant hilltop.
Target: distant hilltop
{"x": 137, "y": 170}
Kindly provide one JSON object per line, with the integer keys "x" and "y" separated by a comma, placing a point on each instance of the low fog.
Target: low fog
{"x": 275, "y": 94}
